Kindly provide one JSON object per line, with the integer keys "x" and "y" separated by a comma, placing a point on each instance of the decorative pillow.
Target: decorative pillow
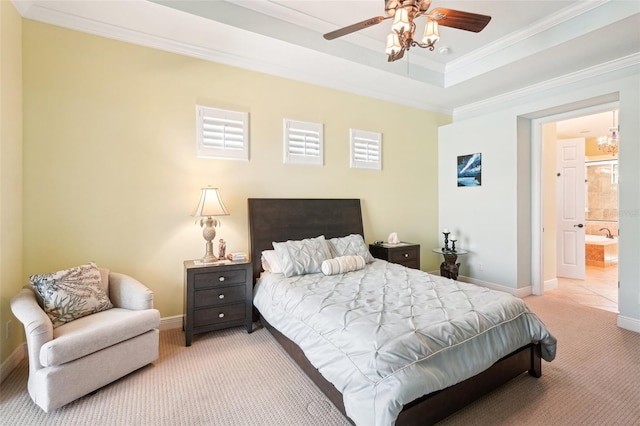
{"x": 270, "y": 262}
{"x": 104, "y": 277}
{"x": 303, "y": 256}
{"x": 72, "y": 293}
{"x": 351, "y": 245}
{"x": 342, "y": 264}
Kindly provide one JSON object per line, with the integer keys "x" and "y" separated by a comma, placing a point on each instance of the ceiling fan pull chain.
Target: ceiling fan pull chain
{"x": 408, "y": 64}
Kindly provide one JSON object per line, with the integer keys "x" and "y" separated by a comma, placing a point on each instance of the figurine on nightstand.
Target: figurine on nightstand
{"x": 222, "y": 249}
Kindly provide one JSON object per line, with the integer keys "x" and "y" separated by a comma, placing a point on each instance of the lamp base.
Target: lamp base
{"x": 209, "y": 257}
{"x": 209, "y": 233}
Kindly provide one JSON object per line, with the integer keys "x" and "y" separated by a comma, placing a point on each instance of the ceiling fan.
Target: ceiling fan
{"x": 403, "y": 13}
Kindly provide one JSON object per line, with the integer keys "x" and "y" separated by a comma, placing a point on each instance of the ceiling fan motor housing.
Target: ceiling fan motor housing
{"x": 414, "y": 6}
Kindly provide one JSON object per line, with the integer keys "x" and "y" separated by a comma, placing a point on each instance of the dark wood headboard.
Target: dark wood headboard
{"x": 282, "y": 219}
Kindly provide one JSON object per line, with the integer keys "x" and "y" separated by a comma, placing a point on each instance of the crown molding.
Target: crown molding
{"x": 496, "y": 102}
{"x": 140, "y": 22}
{"x": 471, "y": 60}
{"x": 260, "y": 60}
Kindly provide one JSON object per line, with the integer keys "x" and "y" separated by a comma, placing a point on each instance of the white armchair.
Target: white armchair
{"x": 88, "y": 353}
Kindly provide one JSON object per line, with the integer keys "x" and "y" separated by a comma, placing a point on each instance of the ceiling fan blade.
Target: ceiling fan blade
{"x": 461, "y": 20}
{"x": 355, "y": 27}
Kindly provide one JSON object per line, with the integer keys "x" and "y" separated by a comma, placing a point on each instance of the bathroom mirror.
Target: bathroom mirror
{"x": 601, "y": 190}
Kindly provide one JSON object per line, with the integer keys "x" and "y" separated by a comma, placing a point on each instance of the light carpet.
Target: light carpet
{"x": 230, "y": 377}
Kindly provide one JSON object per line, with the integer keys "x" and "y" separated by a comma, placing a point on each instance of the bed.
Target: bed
{"x": 280, "y": 220}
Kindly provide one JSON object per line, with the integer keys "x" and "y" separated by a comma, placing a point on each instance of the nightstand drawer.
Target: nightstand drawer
{"x": 403, "y": 255}
{"x": 219, "y": 278}
{"x": 415, "y": 264}
{"x": 218, "y": 315}
{"x": 219, "y": 296}
{"x": 406, "y": 254}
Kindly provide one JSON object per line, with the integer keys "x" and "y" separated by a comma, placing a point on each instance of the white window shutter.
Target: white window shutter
{"x": 366, "y": 149}
{"x": 303, "y": 142}
{"x": 221, "y": 133}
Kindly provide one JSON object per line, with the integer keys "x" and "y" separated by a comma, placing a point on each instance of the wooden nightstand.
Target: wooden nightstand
{"x": 406, "y": 254}
{"x": 217, "y": 297}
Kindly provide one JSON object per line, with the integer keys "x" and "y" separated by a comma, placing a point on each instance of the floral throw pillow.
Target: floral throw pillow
{"x": 72, "y": 293}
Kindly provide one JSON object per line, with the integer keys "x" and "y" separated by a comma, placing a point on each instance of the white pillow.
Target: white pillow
{"x": 351, "y": 245}
{"x": 303, "y": 256}
{"x": 342, "y": 264}
{"x": 270, "y": 262}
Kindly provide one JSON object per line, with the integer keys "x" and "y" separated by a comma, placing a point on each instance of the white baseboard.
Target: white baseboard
{"x": 551, "y": 284}
{"x": 169, "y": 323}
{"x": 627, "y": 323}
{"x": 12, "y": 362}
{"x": 518, "y": 292}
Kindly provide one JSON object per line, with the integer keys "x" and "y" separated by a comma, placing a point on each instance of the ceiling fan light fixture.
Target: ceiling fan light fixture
{"x": 393, "y": 44}
{"x": 403, "y": 29}
{"x": 431, "y": 33}
{"x": 401, "y": 21}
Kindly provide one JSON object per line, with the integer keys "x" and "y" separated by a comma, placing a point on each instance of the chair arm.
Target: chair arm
{"x": 37, "y": 325}
{"x": 129, "y": 293}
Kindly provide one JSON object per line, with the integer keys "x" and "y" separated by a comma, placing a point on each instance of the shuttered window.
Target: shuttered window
{"x": 366, "y": 149}
{"x": 222, "y": 133}
{"x": 303, "y": 143}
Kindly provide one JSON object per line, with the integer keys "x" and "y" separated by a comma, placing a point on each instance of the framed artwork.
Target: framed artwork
{"x": 470, "y": 170}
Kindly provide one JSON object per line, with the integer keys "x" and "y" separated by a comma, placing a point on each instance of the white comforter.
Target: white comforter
{"x": 387, "y": 335}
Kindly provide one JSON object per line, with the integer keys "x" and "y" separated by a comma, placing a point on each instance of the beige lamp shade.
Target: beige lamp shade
{"x": 210, "y": 204}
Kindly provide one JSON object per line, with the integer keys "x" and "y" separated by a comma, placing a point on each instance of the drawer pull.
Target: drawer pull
{"x": 221, "y": 315}
{"x": 221, "y": 279}
{"x": 406, "y": 255}
{"x": 221, "y": 296}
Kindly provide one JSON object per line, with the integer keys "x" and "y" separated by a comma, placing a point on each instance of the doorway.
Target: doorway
{"x": 599, "y": 287}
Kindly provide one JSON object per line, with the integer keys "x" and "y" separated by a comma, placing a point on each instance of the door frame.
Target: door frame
{"x": 537, "y": 190}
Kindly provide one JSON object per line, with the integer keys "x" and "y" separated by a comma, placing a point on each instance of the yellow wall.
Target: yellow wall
{"x": 591, "y": 147}
{"x": 593, "y": 153}
{"x": 111, "y": 173}
{"x": 11, "y": 172}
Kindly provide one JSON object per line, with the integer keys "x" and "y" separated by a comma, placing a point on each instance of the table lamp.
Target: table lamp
{"x": 210, "y": 204}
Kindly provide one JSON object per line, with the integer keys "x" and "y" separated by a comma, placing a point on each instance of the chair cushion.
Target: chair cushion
{"x": 71, "y": 293}
{"x": 92, "y": 333}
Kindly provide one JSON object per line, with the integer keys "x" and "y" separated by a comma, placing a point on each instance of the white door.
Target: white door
{"x": 570, "y": 193}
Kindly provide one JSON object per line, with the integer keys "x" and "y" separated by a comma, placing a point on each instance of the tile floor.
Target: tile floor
{"x": 599, "y": 289}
